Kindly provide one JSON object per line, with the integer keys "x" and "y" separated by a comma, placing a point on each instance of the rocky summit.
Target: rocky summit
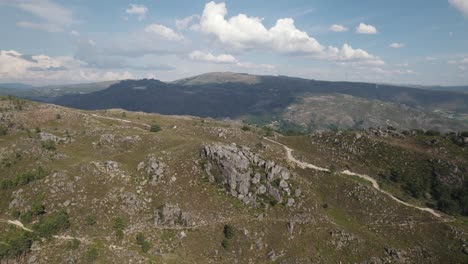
{"x": 114, "y": 186}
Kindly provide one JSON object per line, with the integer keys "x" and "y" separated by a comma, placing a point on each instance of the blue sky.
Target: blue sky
{"x": 399, "y": 41}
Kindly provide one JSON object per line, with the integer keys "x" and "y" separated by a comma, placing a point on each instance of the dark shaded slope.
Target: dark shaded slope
{"x": 232, "y": 99}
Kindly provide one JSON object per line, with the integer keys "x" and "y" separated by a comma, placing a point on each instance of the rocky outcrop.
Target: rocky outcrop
{"x": 246, "y": 176}
{"x": 152, "y": 168}
{"x": 172, "y": 215}
{"x": 57, "y": 140}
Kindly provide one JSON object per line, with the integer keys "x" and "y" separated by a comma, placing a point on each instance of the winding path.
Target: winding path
{"x": 375, "y": 184}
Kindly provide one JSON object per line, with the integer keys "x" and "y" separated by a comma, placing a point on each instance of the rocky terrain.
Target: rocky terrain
{"x": 113, "y": 186}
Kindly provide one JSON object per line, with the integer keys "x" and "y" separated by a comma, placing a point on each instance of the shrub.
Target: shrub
{"x": 91, "y": 254}
{"x": 48, "y": 145}
{"x": 432, "y": 133}
{"x": 142, "y": 242}
{"x": 37, "y": 208}
{"x": 155, "y": 128}
{"x": 15, "y": 245}
{"x": 73, "y": 244}
{"x": 90, "y": 220}
{"x": 119, "y": 226}
{"x": 229, "y": 231}
{"x": 3, "y": 131}
{"x": 58, "y": 116}
{"x": 26, "y": 217}
{"x": 51, "y": 225}
{"x": 245, "y": 128}
{"x": 226, "y": 243}
{"x": 464, "y": 134}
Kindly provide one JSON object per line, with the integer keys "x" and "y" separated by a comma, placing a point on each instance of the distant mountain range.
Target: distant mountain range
{"x": 289, "y": 103}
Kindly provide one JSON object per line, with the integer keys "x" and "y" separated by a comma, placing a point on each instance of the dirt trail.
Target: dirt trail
{"x": 304, "y": 165}
{"x": 375, "y": 184}
{"x": 121, "y": 120}
{"x": 16, "y": 223}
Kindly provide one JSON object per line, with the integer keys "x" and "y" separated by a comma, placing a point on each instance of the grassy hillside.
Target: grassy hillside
{"x": 76, "y": 180}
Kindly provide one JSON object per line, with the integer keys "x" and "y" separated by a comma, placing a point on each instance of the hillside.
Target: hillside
{"x": 266, "y": 99}
{"x": 51, "y": 91}
{"x": 113, "y": 186}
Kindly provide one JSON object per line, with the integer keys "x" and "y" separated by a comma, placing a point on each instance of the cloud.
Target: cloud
{"x": 163, "y": 31}
{"x": 53, "y": 17}
{"x": 396, "y": 45}
{"x": 185, "y": 23}
{"x": 338, "y": 28}
{"x": 50, "y": 68}
{"x": 461, "y": 5}
{"x": 366, "y": 29}
{"x": 347, "y": 53}
{"x": 242, "y": 32}
{"x": 208, "y": 57}
{"x": 463, "y": 61}
{"x": 137, "y": 10}
{"x": 62, "y": 69}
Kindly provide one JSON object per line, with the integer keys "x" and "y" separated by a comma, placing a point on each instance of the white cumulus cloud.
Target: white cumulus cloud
{"x": 396, "y": 45}
{"x": 461, "y": 5}
{"x": 208, "y": 57}
{"x": 364, "y": 28}
{"x": 338, "y": 28}
{"x": 242, "y": 32}
{"x": 18, "y": 67}
{"x": 137, "y": 10}
{"x": 163, "y": 31}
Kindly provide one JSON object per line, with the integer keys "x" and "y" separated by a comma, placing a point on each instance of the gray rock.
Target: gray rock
{"x": 172, "y": 215}
{"x": 237, "y": 169}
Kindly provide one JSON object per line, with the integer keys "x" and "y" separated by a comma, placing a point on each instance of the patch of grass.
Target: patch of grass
{"x": 119, "y": 227}
{"x": 48, "y": 145}
{"x": 142, "y": 242}
{"x": 90, "y": 220}
{"x": 51, "y": 224}
{"x": 23, "y": 179}
{"x": 155, "y": 128}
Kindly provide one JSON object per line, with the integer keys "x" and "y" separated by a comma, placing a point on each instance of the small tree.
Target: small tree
{"x": 229, "y": 231}
{"x": 155, "y": 128}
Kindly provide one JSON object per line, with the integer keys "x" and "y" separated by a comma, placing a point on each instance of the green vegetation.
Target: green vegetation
{"x": 119, "y": 227}
{"x": 229, "y": 232}
{"x": 142, "y": 242}
{"x": 73, "y": 244}
{"x": 91, "y": 254}
{"x": 3, "y": 130}
{"x": 17, "y": 242}
{"x": 155, "y": 128}
{"x": 23, "y": 179}
{"x": 245, "y": 128}
{"x": 51, "y": 224}
{"x": 90, "y": 220}
{"x": 37, "y": 208}
{"x": 48, "y": 144}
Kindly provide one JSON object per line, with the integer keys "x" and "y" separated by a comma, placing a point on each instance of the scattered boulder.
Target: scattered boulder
{"x": 172, "y": 215}
{"x": 57, "y": 140}
{"x": 153, "y": 169}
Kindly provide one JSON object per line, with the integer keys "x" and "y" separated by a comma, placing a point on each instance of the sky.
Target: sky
{"x": 422, "y": 42}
